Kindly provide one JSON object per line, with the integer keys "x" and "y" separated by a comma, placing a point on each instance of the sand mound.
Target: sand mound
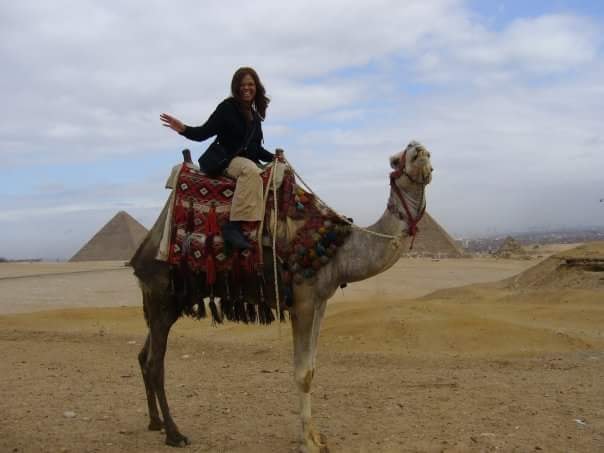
{"x": 510, "y": 248}
{"x": 579, "y": 268}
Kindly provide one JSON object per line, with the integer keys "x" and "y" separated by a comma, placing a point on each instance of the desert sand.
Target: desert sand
{"x": 449, "y": 355}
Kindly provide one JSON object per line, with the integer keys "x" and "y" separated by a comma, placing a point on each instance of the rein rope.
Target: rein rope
{"x": 409, "y": 219}
{"x": 393, "y": 176}
{"x": 271, "y": 179}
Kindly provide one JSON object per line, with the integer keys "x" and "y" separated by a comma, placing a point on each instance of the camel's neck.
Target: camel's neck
{"x": 365, "y": 255}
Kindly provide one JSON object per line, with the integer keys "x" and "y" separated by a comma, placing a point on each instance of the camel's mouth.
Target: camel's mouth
{"x": 414, "y": 162}
{"x": 425, "y": 173}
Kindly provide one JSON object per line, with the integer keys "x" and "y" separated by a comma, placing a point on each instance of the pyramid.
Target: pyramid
{"x": 117, "y": 240}
{"x": 432, "y": 240}
{"x": 510, "y": 247}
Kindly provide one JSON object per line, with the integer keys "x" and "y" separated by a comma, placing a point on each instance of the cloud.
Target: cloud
{"x": 526, "y": 47}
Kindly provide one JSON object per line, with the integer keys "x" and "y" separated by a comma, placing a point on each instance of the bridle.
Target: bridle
{"x": 407, "y": 217}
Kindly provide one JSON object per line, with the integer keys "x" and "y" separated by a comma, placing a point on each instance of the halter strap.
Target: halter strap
{"x": 412, "y": 228}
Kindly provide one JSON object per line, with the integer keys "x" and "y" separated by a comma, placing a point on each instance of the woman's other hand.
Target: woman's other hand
{"x": 279, "y": 155}
{"x": 171, "y": 122}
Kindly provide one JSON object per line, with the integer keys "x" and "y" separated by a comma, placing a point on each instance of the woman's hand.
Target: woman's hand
{"x": 279, "y": 155}
{"x": 171, "y": 122}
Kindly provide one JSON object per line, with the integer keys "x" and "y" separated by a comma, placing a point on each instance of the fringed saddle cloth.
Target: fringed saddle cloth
{"x": 203, "y": 266}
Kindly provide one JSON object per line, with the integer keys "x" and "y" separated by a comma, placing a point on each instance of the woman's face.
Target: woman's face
{"x": 247, "y": 88}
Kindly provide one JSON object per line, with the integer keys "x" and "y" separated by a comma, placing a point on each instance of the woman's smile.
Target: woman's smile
{"x": 247, "y": 89}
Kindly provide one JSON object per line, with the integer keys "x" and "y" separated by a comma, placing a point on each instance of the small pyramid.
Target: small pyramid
{"x": 510, "y": 247}
{"x": 117, "y": 240}
{"x": 433, "y": 240}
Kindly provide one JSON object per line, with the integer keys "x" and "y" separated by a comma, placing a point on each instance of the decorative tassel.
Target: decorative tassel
{"x": 261, "y": 314}
{"x": 248, "y": 262}
{"x": 288, "y": 296}
{"x": 265, "y": 314}
{"x": 201, "y": 309}
{"x": 211, "y": 230}
{"x": 240, "y": 313}
{"x": 190, "y": 217}
{"x": 216, "y": 316}
{"x": 252, "y": 313}
{"x": 210, "y": 270}
{"x": 237, "y": 267}
{"x": 226, "y": 303}
{"x": 261, "y": 299}
{"x": 212, "y": 223}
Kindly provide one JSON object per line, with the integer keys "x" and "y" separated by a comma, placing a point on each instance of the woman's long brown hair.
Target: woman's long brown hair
{"x": 260, "y": 100}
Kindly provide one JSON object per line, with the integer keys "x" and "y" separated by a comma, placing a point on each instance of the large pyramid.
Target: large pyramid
{"x": 117, "y": 240}
{"x": 432, "y": 240}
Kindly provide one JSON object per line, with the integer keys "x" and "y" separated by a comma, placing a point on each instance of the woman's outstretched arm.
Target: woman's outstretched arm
{"x": 197, "y": 133}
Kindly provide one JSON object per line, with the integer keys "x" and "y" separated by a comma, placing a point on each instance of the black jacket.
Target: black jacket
{"x": 230, "y": 125}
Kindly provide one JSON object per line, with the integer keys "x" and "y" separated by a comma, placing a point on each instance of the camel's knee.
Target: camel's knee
{"x": 154, "y": 366}
{"x": 304, "y": 380}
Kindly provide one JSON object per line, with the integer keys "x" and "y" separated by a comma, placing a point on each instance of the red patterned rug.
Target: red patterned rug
{"x": 202, "y": 205}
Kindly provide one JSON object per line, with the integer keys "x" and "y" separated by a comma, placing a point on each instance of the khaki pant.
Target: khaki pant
{"x": 248, "y": 197}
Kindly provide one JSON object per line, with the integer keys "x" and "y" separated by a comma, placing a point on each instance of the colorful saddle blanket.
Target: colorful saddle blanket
{"x": 202, "y": 205}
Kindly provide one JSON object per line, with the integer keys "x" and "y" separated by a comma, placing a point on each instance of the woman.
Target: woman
{"x": 232, "y": 121}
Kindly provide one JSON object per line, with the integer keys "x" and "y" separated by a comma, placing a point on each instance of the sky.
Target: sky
{"x": 508, "y": 96}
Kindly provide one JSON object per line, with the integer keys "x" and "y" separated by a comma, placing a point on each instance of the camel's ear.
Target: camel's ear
{"x": 395, "y": 161}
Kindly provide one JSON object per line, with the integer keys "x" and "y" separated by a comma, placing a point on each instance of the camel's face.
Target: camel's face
{"x": 416, "y": 165}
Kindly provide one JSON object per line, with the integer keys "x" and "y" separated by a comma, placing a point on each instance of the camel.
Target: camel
{"x": 366, "y": 253}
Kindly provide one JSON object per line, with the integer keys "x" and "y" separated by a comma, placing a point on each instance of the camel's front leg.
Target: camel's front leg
{"x": 306, "y": 323}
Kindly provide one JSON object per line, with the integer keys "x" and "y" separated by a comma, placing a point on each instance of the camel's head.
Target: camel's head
{"x": 414, "y": 162}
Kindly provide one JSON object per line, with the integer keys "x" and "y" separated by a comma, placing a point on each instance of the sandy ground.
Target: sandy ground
{"x": 28, "y": 287}
{"x": 401, "y": 368}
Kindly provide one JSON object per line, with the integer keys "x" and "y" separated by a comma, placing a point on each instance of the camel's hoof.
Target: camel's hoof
{"x": 324, "y": 447}
{"x": 177, "y": 440}
{"x": 317, "y": 445}
{"x": 155, "y": 425}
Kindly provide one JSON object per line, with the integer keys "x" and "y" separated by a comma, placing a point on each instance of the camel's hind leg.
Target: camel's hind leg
{"x": 160, "y": 328}
{"x": 155, "y": 423}
{"x": 306, "y": 323}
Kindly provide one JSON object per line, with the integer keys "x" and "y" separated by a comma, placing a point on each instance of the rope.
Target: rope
{"x": 273, "y": 166}
{"x": 275, "y": 225}
{"x": 268, "y": 185}
{"x": 271, "y": 179}
{"x": 344, "y": 218}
